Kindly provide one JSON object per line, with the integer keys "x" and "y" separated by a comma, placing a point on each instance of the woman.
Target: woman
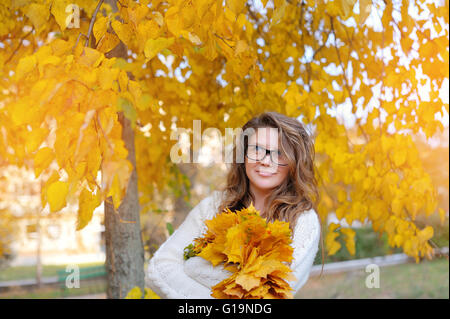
{"x": 277, "y": 176}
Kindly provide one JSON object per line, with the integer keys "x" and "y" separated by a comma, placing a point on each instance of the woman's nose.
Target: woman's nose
{"x": 266, "y": 160}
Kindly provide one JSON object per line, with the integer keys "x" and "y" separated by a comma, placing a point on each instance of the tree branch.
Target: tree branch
{"x": 345, "y": 78}
{"x": 18, "y": 47}
{"x": 91, "y": 25}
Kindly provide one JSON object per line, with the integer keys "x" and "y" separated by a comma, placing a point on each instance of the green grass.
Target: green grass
{"x": 428, "y": 279}
{"x": 86, "y": 288}
{"x": 29, "y": 272}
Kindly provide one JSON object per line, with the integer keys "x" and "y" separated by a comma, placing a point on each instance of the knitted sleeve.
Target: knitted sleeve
{"x": 165, "y": 273}
{"x": 306, "y": 244}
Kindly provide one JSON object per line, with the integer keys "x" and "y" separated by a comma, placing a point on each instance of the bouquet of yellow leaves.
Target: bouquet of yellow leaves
{"x": 255, "y": 251}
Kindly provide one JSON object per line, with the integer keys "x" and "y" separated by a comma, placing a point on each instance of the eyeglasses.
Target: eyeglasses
{"x": 259, "y": 153}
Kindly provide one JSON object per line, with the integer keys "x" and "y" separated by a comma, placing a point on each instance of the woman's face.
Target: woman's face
{"x": 265, "y": 175}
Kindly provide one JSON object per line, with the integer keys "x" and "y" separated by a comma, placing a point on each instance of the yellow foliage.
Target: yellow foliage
{"x": 255, "y": 251}
{"x": 59, "y": 99}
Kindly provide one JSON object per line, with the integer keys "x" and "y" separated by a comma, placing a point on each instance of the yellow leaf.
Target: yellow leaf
{"x": 59, "y": 12}
{"x": 365, "y": 7}
{"x": 108, "y": 42}
{"x": 214, "y": 255}
{"x": 333, "y": 247}
{"x": 400, "y": 157}
{"x": 115, "y": 192}
{"x": 425, "y": 234}
{"x": 247, "y": 281}
{"x": 90, "y": 57}
{"x": 153, "y": 47}
{"x": 56, "y": 195}
{"x": 157, "y": 16}
{"x": 187, "y": 15}
{"x": 397, "y": 206}
{"x": 332, "y": 8}
{"x": 106, "y": 76}
{"x": 86, "y": 206}
{"x": 330, "y": 240}
{"x": 42, "y": 160}
{"x": 174, "y": 21}
{"x": 236, "y": 6}
{"x": 241, "y": 46}
{"x": 100, "y": 27}
{"x": 123, "y": 31}
{"x": 134, "y": 293}
{"x": 26, "y": 65}
{"x": 192, "y": 37}
{"x": 53, "y": 178}
{"x": 340, "y": 212}
{"x": 37, "y": 13}
{"x": 235, "y": 244}
{"x": 150, "y": 294}
{"x": 35, "y": 139}
{"x": 279, "y": 13}
{"x": 349, "y": 239}
{"x": 211, "y": 51}
{"x": 398, "y": 240}
{"x": 345, "y": 8}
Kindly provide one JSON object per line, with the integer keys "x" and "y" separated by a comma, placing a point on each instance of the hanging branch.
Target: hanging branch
{"x": 18, "y": 47}
{"x": 345, "y": 78}
{"x": 91, "y": 25}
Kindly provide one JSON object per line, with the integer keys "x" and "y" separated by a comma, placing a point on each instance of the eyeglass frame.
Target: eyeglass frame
{"x": 267, "y": 152}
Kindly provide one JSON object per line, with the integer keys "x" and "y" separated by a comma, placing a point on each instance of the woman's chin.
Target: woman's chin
{"x": 264, "y": 183}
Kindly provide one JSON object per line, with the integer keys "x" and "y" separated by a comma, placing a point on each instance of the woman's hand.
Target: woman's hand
{"x": 204, "y": 272}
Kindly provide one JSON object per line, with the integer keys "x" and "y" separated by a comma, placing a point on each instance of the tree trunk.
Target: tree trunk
{"x": 124, "y": 247}
{"x": 123, "y": 239}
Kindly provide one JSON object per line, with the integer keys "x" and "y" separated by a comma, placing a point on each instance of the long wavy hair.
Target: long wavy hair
{"x": 297, "y": 193}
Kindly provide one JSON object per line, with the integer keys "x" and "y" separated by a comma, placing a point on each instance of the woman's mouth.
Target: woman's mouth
{"x": 265, "y": 174}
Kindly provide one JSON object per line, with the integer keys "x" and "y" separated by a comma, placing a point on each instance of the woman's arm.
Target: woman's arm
{"x": 305, "y": 244}
{"x": 166, "y": 269}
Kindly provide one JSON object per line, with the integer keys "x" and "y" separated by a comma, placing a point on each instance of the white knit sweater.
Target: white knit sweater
{"x": 170, "y": 276}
